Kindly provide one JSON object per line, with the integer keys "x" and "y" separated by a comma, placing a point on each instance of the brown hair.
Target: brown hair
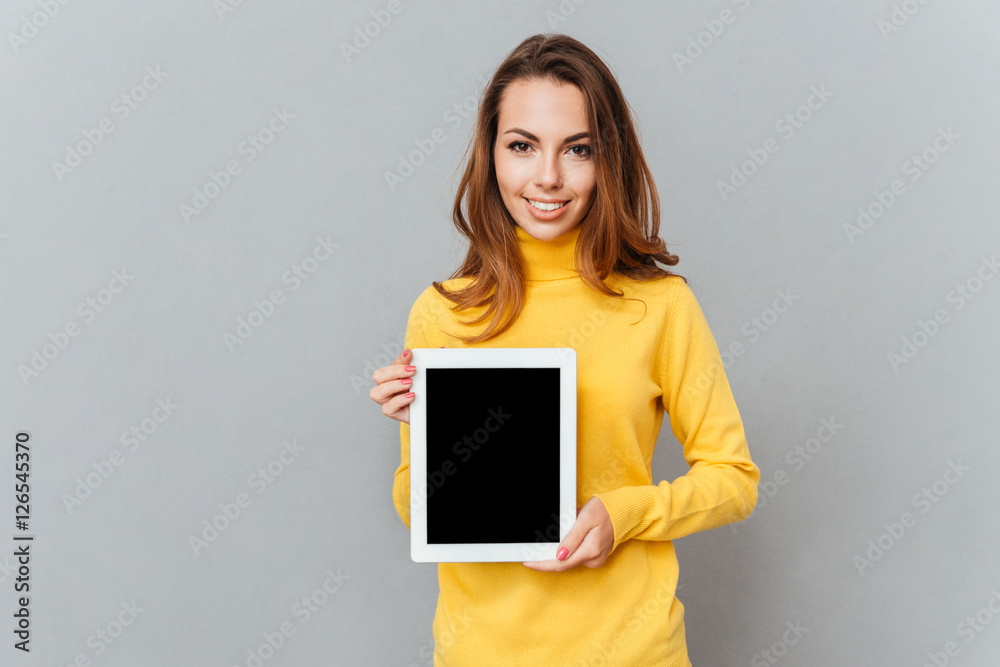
{"x": 619, "y": 234}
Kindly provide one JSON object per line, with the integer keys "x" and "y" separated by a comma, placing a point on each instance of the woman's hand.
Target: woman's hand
{"x": 392, "y": 385}
{"x": 589, "y": 541}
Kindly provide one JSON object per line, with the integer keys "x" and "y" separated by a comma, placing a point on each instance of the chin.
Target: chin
{"x": 546, "y": 231}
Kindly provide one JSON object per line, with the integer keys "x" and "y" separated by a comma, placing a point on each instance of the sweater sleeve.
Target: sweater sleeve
{"x": 721, "y": 486}
{"x": 422, "y": 330}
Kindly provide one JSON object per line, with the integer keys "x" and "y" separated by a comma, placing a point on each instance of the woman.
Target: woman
{"x": 562, "y": 218}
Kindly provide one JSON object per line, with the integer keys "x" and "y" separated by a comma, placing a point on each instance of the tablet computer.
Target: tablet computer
{"x": 492, "y": 453}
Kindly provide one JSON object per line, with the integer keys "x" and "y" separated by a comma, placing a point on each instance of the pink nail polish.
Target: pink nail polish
{"x": 562, "y": 553}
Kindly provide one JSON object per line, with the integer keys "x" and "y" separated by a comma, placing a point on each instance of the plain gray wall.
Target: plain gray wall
{"x": 895, "y": 77}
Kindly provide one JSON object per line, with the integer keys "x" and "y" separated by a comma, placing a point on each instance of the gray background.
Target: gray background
{"x": 305, "y": 372}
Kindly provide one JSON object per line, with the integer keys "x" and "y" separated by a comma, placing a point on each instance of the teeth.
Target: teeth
{"x": 542, "y": 206}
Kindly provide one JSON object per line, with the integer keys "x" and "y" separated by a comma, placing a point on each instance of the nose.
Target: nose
{"x": 548, "y": 172}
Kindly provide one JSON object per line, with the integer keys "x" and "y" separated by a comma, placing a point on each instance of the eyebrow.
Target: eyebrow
{"x": 529, "y": 135}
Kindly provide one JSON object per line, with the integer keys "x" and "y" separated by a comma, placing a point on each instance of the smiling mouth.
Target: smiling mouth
{"x": 542, "y": 206}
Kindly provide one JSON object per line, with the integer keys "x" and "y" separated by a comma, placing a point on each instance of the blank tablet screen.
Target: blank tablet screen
{"x": 492, "y": 455}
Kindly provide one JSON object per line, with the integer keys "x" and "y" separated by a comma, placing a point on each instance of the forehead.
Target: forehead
{"x": 542, "y": 106}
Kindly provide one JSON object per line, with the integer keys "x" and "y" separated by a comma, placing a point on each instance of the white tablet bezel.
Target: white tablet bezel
{"x": 563, "y": 358}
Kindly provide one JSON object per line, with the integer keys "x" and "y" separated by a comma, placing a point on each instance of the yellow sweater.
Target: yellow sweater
{"x": 633, "y": 361}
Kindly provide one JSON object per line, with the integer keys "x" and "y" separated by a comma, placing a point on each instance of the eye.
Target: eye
{"x": 585, "y": 152}
{"x": 512, "y": 145}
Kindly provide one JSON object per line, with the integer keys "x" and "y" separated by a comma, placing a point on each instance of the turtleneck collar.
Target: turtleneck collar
{"x": 549, "y": 260}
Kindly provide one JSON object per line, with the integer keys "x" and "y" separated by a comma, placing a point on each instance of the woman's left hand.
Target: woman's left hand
{"x": 589, "y": 540}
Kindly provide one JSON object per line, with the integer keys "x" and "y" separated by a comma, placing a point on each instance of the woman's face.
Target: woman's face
{"x": 542, "y": 155}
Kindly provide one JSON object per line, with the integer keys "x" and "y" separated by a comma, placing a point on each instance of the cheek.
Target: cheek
{"x": 585, "y": 183}
{"x": 509, "y": 177}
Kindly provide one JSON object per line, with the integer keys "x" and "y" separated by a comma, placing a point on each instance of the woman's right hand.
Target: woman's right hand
{"x": 392, "y": 387}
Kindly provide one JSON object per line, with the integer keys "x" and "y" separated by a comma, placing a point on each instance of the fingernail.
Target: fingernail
{"x": 562, "y": 553}
{"x": 405, "y": 352}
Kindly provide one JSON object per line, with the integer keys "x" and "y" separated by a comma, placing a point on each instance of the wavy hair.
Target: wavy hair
{"x": 620, "y": 233}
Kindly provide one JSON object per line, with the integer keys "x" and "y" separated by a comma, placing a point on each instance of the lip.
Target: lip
{"x": 546, "y": 215}
{"x": 547, "y": 201}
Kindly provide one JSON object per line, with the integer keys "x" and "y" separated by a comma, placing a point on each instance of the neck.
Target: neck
{"x": 549, "y": 260}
